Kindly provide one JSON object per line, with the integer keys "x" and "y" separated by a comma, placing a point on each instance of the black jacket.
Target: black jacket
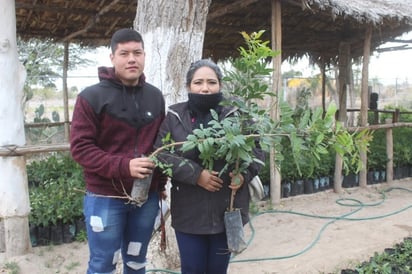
{"x": 195, "y": 210}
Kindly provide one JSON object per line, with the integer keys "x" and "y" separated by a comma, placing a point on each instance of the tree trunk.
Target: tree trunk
{"x": 14, "y": 198}
{"x": 173, "y": 34}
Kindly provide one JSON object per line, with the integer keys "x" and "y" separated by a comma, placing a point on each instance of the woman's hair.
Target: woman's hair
{"x": 203, "y": 63}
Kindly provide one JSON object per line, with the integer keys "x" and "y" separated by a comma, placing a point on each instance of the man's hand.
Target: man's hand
{"x": 141, "y": 167}
{"x": 209, "y": 180}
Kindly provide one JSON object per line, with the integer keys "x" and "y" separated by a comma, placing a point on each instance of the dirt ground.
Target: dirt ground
{"x": 305, "y": 234}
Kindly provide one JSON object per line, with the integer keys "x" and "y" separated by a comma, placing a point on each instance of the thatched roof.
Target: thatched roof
{"x": 313, "y": 27}
{"x": 89, "y": 23}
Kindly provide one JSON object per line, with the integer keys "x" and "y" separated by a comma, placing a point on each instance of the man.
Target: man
{"x": 115, "y": 123}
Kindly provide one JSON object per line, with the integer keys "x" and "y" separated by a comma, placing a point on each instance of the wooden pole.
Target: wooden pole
{"x": 14, "y": 194}
{"x": 365, "y": 100}
{"x": 323, "y": 73}
{"x": 13, "y": 150}
{"x": 65, "y": 92}
{"x": 275, "y": 191}
{"x": 389, "y": 152}
{"x": 344, "y": 62}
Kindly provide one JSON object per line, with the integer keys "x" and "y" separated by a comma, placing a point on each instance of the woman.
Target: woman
{"x": 199, "y": 197}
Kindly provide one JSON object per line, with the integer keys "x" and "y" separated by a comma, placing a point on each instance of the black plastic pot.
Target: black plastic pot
{"x": 308, "y": 186}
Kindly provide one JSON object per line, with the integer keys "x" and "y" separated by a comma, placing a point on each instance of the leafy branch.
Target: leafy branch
{"x": 235, "y": 137}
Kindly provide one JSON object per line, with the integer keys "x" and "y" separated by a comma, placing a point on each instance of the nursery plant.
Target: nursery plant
{"x": 53, "y": 190}
{"x": 234, "y": 138}
{"x": 396, "y": 259}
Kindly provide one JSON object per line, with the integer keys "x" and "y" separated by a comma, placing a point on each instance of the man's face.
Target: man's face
{"x": 128, "y": 61}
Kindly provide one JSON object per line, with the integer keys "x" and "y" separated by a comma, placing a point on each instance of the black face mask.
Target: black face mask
{"x": 204, "y": 102}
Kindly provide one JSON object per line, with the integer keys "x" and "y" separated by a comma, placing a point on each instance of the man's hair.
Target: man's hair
{"x": 123, "y": 36}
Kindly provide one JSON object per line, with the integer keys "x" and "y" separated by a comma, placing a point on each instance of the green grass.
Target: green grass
{"x": 12, "y": 267}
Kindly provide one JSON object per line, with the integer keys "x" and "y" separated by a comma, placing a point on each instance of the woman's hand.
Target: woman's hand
{"x": 210, "y": 181}
{"x": 236, "y": 181}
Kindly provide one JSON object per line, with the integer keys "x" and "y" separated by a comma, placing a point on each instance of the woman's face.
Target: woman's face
{"x": 204, "y": 81}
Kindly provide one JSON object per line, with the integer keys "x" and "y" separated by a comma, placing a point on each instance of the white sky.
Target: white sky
{"x": 388, "y": 67}
{"x": 394, "y": 64}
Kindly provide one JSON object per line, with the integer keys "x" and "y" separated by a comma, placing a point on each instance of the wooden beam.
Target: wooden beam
{"x": 380, "y": 126}
{"x": 48, "y": 8}
{"x": 91, "y": 22}
{"x": 9, "y": 151}
{"x": 230, "y": 8}
{"x": 401, "y": 41}
{"x": 403, "y": 47}
{"x": 299, "y": 3}
{"x": 28, "y": 17}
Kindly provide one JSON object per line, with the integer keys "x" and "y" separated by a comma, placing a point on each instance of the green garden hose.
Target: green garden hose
{"x": 346, "y": 202}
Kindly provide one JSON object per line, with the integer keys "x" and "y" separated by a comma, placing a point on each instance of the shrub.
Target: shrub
{"x": 392, "y": 260}
{"x": 55, "y": 195}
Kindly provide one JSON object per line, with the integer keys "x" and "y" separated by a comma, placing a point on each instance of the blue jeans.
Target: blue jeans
{"x": 114, "y": 228}
{"x": 203, "y": 254}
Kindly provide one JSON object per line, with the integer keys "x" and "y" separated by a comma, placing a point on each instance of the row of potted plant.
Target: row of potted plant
{"x": 402, "y": 150}
{"x": 310, "y": 173}
{"x": 313, "y": 165}
{"x": 395, "y": 259}
{"x": 56, "y": 199}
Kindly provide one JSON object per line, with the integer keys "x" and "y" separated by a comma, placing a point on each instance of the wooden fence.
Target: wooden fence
{"x": 389, "y": 125}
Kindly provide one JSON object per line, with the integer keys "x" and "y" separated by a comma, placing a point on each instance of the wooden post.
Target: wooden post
{"x": 389, "y": 152}
{"x": 344, "y": 62}
{"x": 323, "y": 73}
{"x": 14, "y": 194}
{"x": 275, "y": 191}
{"x": 376, "y": 116}
{"x": 65, "y": 92}
{"x": 365, "y": 100}
{"x": 396, "y": 116}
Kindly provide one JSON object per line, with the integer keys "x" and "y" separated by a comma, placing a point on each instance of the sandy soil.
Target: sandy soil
{"x": 286, "y": 239}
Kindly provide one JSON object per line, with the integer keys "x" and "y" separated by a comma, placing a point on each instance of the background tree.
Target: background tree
{"x": 173, "y": 40}
{"x": 43, "y": 60}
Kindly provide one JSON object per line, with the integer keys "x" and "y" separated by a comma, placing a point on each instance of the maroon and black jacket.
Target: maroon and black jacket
{"x": 111, "y": 125}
